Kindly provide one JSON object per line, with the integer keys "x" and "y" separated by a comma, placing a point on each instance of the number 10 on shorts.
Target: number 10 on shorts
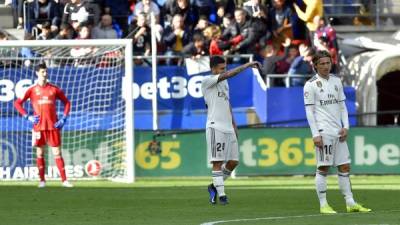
{"x": 325, "y": 153}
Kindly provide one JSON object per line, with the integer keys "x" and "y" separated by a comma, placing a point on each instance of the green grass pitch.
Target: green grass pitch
{"x": 261, "y": 200}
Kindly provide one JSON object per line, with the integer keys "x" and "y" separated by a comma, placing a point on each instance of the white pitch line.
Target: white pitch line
{"x": 284, "y": 217}
{"x": 263, "y": 218}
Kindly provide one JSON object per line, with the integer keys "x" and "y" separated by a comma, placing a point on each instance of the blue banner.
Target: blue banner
{"x": 177, "y": 91}
{"x": 285, "y": 106}
{"x": 180, "y": 102}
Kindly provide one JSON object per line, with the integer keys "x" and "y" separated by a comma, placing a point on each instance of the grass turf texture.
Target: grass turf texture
{"x": 291, "y": 200}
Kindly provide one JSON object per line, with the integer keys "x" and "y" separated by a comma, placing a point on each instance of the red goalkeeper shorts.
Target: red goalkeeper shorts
{"x": 50, "y": 137}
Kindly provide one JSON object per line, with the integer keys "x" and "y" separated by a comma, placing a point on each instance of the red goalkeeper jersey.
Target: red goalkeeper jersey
{"x": 43, "y": 100}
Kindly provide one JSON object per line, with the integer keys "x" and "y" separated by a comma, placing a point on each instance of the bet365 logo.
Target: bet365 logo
{"x": 9, "y": 90}
{"x": 369, "y": 154}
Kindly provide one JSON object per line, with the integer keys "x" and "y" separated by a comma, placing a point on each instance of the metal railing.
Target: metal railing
{"x": 147, "y": 59}
{"x": 286, "y": 77}
{"x": 358, "y": 116}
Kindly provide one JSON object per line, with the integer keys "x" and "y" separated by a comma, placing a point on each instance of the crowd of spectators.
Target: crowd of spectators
{"x": 282, "y": 34}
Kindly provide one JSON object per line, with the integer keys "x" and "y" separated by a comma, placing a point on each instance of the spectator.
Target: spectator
{"x": 147, "y": 7}
{"x": 84, "y": 34}
{"x": 204, "y": 8}
{"x": 327, "y": 31}
{"x": 258, "y": 13}
{"x": 104, "y": 29}
{"x": 183, "y": 8}
{"x": 176, "y": 37}
{"x": 66, "y": 32}
{"x": 202, "y": 24}
{"x": 76, "y": 12}
{"x": 217, "y": 46}
{"x": 141, "y": 38}
{"x": 119, "y": 10}
{"x": 270, "y": 54}
{"x": 299, "y": 28}
{"x": 41, "y": 11}
{"x": 241, "y": 34}
{"x": 314, "y": 11}
{"x": 280, "y": 17}
{"x": 7, "y": 52}
{"x": 3, "y": 36}
{"x": 255, "y": 9}
{"x": 283, "y": 66}
{"x": 302, "y": 65}
{"x": 45, "y": 33}
{"x": 95, "y": 8}
{"x": 222, "y": 9}
{"x": 227, "y": 21}
{"x": 197, "y": 48}
{"x": 271, "y": 57}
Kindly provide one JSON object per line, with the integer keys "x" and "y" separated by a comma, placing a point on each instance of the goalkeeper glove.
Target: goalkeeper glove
{"x": 33, "y": 119}
{"x": 60, "y": 123}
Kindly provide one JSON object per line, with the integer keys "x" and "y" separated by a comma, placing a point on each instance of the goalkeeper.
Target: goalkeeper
{"x": 46, "y": 125}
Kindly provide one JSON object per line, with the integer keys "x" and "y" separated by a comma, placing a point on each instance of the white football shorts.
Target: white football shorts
{"x": 221, "y": 146}
{"x": 333, "y": 153}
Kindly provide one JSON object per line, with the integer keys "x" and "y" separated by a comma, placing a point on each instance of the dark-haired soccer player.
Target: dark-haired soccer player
{"x": 327, "y": 116}
{"x": 221, "y": 130}
{"x": 46, "y": 125}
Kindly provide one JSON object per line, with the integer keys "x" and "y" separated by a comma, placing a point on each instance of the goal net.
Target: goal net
{"x": 96, "y": 76}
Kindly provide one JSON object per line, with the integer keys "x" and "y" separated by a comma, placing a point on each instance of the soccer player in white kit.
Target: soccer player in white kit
{"x": 221, "y": 130}
{"x": 327, "y": 116}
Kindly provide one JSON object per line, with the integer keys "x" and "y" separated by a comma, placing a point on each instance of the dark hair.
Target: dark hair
{"x": 65, "y": 26}
{"x": 39, "y": 66}
{"x": 229, "y": 16}
{"x": 198, "y": 37}
{"x": 46, "y": 25}
{"x": 323, "y": 39}
{"x": 216, "y": 60}
{"x": 294, "y": 46}
{"x": 320, "y": 54}
{"x": 203, "y": 17}
{"x": 2, "y": 35}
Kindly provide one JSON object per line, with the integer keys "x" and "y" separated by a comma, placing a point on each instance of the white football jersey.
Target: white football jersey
{"x": 216, "y": 96}
{"x": 327, "y": 97}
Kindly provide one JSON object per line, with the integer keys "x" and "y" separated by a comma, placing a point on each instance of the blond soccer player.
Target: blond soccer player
{"x": 329, "y": 123}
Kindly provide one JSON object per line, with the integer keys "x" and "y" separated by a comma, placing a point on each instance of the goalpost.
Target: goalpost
{"x": 97, "y": 77}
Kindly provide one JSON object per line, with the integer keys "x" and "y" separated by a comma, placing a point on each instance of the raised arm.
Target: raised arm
{"x": 308, "y": 14}
{"x": 237, "y": 70}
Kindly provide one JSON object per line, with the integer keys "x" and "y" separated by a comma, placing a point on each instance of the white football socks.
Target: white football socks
{"x": 226, "y": 172}
{"x": 321, "y": 186}
{"x": 345, "y": 188}
{"x": 218, "y": 181}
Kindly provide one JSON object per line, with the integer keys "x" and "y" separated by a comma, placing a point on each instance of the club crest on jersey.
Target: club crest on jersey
{"x": 336, "y": 88}
{"x": 319, "y": 84}
{"x": 221, "y": 94}
{"x": 306, "y": 94}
